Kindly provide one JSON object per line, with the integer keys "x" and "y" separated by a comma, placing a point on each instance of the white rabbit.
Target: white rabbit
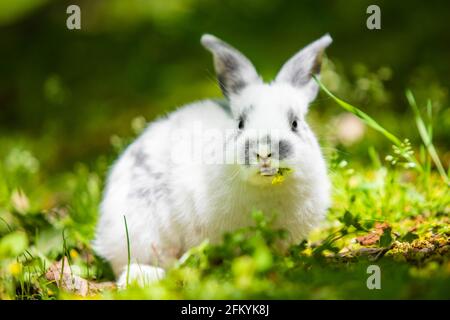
{"x": 172, "y": 202}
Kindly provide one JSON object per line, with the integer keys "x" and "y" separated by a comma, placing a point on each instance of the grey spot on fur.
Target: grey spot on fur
{"x": 150, "y": 187}
{"x": 303, "y": 74}
{"x": 301, "y": 77}
{"x": 141, "y": 163}
{"x": 281, "y": 149}
{"x": 229, "y": 73}
{"x": 162, "y": 191}
{"x": 143, "y": 192}
{"x": 230, "y": 84}
{"x": 284, "y": 149}
{"x": 229, "y": 62}
{"x": 141, "y": 160}
{"x": 150, "y": 194}
{"x": 247, "y": 152}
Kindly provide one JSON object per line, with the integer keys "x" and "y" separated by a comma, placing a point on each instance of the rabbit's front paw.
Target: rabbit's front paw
{"x": 141, "y": 275}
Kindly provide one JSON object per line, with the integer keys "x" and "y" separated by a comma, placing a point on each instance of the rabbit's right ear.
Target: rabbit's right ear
{"x": 234, "y": 71}
{"x": 298, "y": 71}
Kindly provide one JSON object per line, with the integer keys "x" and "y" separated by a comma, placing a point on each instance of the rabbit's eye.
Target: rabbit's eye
{"x": 294, "y": 125}
{"x": 241, "y": 124}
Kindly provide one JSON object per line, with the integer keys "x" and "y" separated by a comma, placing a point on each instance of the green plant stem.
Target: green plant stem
{"x": 369, "y": 121}
{"x": 425, "y": 135}
{"x": 128, "y": 250}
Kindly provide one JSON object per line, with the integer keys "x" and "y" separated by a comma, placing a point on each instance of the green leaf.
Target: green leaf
{"x": 348, "y": 218}
{"x": 259, "y": 218}
{"x": 13, "y": 244}
{"x": 263, "y": 258}
{"x": 410, "y": 237}
{"x": 49, "y": 242}
{"x": 386, "y": 238}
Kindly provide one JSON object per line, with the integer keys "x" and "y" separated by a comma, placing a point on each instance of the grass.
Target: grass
{"x": 386, "y": 212}
{"x": 426, "y": 134}
{"x": 128, "y": 251}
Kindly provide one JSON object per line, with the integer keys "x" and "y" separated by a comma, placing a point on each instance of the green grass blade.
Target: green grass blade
{"x": 362, "y": 115}
{"x": 128, "y": 250}
{"x": 368, "y": 120}
{"x": 62, "y": 262}
{"x": 425, "y": 135}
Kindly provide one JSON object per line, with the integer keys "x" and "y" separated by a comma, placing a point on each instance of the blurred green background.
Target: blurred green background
{"x": 64, "y": 93}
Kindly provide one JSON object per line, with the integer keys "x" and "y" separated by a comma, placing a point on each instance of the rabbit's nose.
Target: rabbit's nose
{"x": 263, "y": 156}
{"x": 264, "y": 159}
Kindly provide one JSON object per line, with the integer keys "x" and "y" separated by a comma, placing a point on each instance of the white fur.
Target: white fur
{"x": 171, "y": 206}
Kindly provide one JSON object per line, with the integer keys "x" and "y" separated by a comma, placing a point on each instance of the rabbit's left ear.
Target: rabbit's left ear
{"x": 299, "y": 69}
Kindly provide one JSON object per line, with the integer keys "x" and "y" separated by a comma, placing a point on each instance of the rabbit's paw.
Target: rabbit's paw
{"x": 141, "y": 275}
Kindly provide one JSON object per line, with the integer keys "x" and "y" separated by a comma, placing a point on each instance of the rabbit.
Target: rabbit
{"x": 172, "y": 202}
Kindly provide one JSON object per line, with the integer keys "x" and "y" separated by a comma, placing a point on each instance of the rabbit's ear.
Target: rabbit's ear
{"x": 299, "y": 69}
{"x": 234, "y": 70}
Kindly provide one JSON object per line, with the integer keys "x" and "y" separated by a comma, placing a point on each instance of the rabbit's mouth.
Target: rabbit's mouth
{"x": 268, "y": 172}
{"x": 266, "y": 176}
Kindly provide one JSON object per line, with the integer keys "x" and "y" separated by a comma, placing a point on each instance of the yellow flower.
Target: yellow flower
{"x": 278, "y": 179}
{"x": 281, "y": 175}
{"x": 15, "y": 268}
{"x": 73, "y": 254}
{"x": 308, "y": 252}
